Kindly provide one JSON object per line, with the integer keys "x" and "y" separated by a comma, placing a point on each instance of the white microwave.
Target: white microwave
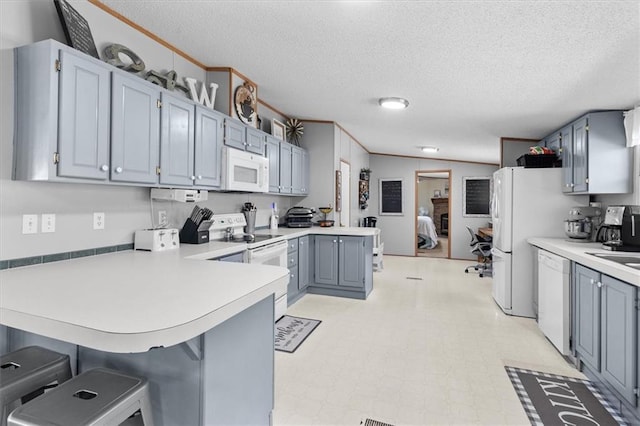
{"x": 244, "y": 171}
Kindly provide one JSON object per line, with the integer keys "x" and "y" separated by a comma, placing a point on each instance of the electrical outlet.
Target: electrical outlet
{"x": 162, "y": 218}
{"x": 29, "y": 223}
{"x": 98, "y": 221}
{"x": 48, "y": 223}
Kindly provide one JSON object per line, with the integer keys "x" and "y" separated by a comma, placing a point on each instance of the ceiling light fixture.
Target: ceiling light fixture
{"x": 393, "y": 103}
{"x": 430, "y": 149}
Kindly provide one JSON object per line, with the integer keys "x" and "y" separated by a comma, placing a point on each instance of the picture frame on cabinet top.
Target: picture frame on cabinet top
{"x": 278, "y": 129}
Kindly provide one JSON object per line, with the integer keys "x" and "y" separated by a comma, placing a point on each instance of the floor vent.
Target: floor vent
{"x": 414, "y": 278}
{"x": 371, "y": 422}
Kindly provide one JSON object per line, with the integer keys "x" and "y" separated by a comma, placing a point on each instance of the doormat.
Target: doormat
{"x": 371, "y": 422}
{"x": 291, "y": 331}
{"x": 551, "y": 400}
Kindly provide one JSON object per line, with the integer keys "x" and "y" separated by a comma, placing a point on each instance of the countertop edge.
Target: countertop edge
{"x": 577, "y": 252}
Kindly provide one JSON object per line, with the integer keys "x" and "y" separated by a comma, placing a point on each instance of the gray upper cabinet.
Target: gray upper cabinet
{"x": 62, "y": 114}
{"x": 177, "y": 141}
{"x": 239, "y": 136}
{"x": 619, "y": 336}
{"x": 235, "y": 134}
{"x": 272, "y": 152}
{"x": 255, "y": 140}
{"x": 595, "y": 157}
{"x": 135, "y": 130}
{"x": 299, "y": 171}
{"x": 208, "y": 145}
{"x": 286, "y": 181}
{"x": 587, "y": 306}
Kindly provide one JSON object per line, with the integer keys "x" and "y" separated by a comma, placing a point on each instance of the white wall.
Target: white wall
{"x": 398, "y": 231}
{"x": 126, "y": 208}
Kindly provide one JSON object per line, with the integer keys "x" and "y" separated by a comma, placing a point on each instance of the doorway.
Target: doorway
{"x": 433, "y": 213}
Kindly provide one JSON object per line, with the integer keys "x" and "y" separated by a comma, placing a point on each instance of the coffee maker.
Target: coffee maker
{"x": 630, "y": 232}
{"x": 621, "y": 229}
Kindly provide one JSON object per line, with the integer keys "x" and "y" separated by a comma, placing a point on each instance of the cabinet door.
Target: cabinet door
{"x": 272, "y": 151}
{"x": 303, "y": 262}
{"x": 580, "y": 152}
{"x": 292, "y": 287}
{"x": 235, "y": 134}
{"x": 176, "y": 141}
{"x": 566, "y": 147}
{"x": 83, "y": 120}
{"x": 208, "y": 145}
{"x": 255, "y": 141}
{"x": 285, "y": 168}
{"x": 326, "y": 259}
{"x": 553, "y": 142}
{"x": 296, "y": 170}
{"x": 305, "y": 172}
{"x": 587, "y": 315}
{"x": 619, "y": 336}
{"x": 351, "y": 261}
{"x": 135, "y": 130}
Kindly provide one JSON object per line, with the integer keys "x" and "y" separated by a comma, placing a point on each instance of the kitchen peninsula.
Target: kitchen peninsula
{"x": 201, "y": 332}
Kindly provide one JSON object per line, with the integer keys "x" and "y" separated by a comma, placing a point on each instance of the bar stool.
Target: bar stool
{"x": 24, "y": 374}
{"x": 95, "y": 397}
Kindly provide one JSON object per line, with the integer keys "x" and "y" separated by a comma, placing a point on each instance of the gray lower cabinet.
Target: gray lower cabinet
{"x": 339, "y": 260}
{"x": 587, "y": 314}
{"x": 606, "y": 329}
{"x": 304, "y": 251}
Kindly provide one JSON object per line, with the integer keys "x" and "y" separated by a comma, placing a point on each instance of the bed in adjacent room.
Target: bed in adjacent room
{"x": 427, "y": 237}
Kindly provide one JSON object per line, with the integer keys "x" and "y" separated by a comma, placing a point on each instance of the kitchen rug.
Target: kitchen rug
{"x": 290, "y": 332}
{"x": 551, "y": 400}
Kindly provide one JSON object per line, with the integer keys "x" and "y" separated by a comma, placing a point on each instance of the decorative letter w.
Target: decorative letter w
{"x": 204, "y": 97}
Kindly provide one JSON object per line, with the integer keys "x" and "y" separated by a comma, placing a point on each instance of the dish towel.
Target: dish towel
{"x": 632, "y": 126}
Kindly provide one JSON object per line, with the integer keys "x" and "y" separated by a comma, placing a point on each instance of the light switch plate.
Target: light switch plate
{"x": 48, "y": 223}
{"x": 29, "y": 223}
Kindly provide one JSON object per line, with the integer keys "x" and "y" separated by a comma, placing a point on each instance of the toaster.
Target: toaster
{"x": 156, "y": 239}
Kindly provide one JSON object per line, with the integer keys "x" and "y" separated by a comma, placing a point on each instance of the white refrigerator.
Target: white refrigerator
{"x": 526, "y": 202}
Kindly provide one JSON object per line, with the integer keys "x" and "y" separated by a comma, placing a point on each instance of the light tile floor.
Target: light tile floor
{"x": 416, "y": 352}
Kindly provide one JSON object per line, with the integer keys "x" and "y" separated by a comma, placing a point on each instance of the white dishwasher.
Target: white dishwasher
{"x": 554, "y": 299}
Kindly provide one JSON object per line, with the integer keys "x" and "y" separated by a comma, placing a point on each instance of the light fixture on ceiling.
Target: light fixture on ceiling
{"x": 393, "y": 103}
{"x": 430, "y": 149}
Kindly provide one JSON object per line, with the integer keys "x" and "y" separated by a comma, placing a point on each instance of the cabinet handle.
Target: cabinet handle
{"x": 599, "y": 284}
{"x": 341, "y": 241}
{"x": 199, "y": 177}
{"x": 334, "y": 241}
{"x": 301, "y": 242}
{"x": 592, "y": 281}
{"x": 104, "y": 168}
{"x": 193, "y": 178}
{"x": 118, "y": 169}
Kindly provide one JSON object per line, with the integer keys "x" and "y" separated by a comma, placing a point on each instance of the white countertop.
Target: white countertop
{"x": 578, "y": 252}
{"x": 134, "y": 300}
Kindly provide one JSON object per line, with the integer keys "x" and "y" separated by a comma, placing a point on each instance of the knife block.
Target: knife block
{"x": 192, "y": 233}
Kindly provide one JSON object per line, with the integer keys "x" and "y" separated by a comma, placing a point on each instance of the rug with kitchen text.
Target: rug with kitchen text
{"x": 551, "y": 400}
{"x": 290, "y": 332}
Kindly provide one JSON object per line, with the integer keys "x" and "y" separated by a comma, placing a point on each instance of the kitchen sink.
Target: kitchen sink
{"x": 631, "y": 260}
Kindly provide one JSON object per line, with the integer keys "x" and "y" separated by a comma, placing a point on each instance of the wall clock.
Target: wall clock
{"x": 246, "y": 104}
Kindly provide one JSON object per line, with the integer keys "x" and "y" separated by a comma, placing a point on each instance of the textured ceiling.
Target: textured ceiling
{"x": 473, "y": 71}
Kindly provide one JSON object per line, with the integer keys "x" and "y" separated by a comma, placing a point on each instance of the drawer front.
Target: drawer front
{"x": 292, "y": 245}
{"x": 292, "y": 260}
